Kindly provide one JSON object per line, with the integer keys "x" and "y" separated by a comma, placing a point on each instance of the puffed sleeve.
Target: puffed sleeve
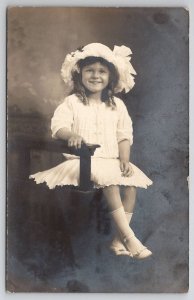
{"x": 63, "y": 117}
{"x": 124, "y": 126}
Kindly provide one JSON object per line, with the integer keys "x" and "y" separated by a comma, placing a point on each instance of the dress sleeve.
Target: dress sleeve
{"x": 63, "y": 117}
{"x": 124, "y": 126}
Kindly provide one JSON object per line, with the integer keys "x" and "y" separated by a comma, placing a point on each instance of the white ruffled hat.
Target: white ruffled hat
{"x": 119, "y": 57}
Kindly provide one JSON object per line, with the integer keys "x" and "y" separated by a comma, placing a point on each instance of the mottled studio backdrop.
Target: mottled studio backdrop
{"x": 58, "y": 240}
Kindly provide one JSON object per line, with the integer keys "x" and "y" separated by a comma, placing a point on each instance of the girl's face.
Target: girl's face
{"x": 95, "y": 77}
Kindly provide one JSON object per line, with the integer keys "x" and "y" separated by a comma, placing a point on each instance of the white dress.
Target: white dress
{"x": 97, "y": 124}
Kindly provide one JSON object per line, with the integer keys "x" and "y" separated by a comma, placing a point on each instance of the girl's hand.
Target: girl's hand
{"x": 126, "y": 169}
{"x": 75, "y": 141}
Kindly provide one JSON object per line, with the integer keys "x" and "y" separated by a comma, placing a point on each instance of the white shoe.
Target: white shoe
{"x": 118, "y": 248}
{"x": 141, "y": 251}
{"x": 131, "y": 243}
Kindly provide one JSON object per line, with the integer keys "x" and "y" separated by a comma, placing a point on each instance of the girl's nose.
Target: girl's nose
{"x": 95, "y": 74}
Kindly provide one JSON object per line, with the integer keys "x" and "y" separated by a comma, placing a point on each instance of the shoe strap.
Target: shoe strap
{"x": 139, "y": 252}
{"x": 125, "y": 239}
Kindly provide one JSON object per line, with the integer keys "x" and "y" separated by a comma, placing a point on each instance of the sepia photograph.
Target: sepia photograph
{"x": 97, "y": 150}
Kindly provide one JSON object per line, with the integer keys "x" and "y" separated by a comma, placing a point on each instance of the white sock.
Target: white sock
{"x": 129, "y": 216}
{"x": 121, "y": 222}
{"x": 117, "y": 239}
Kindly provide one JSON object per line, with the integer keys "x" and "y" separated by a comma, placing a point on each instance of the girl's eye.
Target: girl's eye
{"x": 101, "y": 71}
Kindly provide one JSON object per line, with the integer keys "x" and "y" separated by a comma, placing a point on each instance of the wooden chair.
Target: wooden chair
{"x": 21, "y": 147}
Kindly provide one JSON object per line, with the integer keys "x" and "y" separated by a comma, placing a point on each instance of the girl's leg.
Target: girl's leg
{"x": 128, "y": 201}
{"x": 112, "y": 195}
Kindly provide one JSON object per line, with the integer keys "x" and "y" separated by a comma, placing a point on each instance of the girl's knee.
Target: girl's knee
{"x": 130, "y": 189}
{"x": 111, "y": 189}
{"x": 133, "y": 188}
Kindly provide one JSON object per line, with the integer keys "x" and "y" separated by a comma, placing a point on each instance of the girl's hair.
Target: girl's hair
{"x": 107, "y": 93}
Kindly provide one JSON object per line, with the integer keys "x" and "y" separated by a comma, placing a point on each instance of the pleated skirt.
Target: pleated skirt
{"x": 104, "y": 172}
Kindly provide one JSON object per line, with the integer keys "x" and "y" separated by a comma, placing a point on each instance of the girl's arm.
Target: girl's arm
{"x": 124, "y": 155}
{"x": 74, "y": 140}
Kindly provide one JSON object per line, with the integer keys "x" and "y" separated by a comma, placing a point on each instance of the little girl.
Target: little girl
{"x": 93, "y": 115}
